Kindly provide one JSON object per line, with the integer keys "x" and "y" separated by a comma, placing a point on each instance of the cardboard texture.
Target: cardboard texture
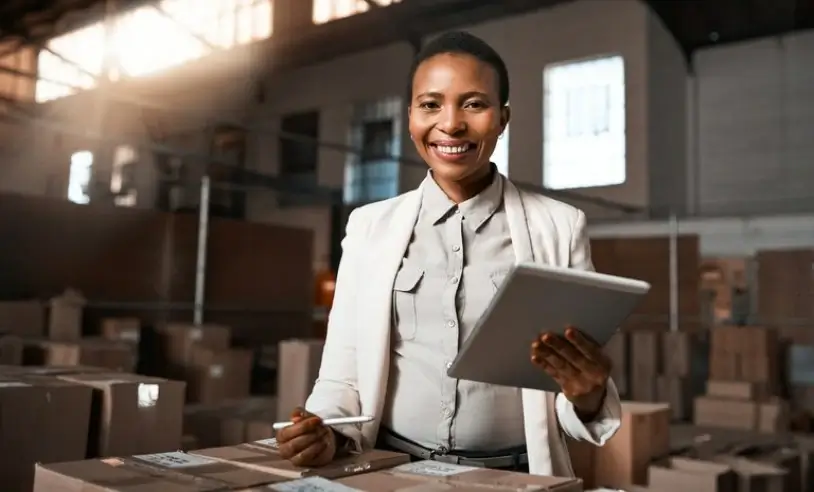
{"x": 618, "y": 351}
{"x": 122, "y": 330}
{"x": 677, "y": 392}
{"x": 645, "y": 364}
{"x": 754, "y": 476}
{"x": 263, "y": 456}
{"x": 23, "y": 318}
{"x": 96, "y": 352}
{"x": 231, "y": 423}
{"x": 65, "y": 316}
{"x": 48, "y": 370}
{"x": 215, "y": 375}
{"x": 181, "y": 338}
{"x": 583, "y": 461}
{"x": 297, "y": 370}
{"x": 164, "y": 472}
{"x": 133, "y": 414}
{"x": 44, "y": 420}
{"x": 456, "y": 475}
{"x": 682, "y": 475}
{"x": 643, "y": 437}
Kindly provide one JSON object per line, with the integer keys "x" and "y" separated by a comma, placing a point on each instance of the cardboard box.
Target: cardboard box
{"x": 682, "y": 474}
{"x": 677, "y": 392}
{"x": 11, "y": 350}
{"x": 725, "y": 413}
{"x": 738, "y": 390}
{"x": 421, "y": 474}
{"x": 44, "y": 420}
{"x": 583, "y": 461}
{"x": 181, "y": 338}
{"x": 618, "y": 351}
{"x": 643, "y": 437}
{"x": 122, "y": 330}
{"x": 165, "y": 472}
{"x": 774, "y": 416}
{"x": 133, "y": 414}
{"x": 232, "y": 423}
{"x": 754, "y": 476}
{"x": 297, "y": 371}
{"x": 215, "y": 375}
{"x": 264, "y": 456}
{"x": 96, "y": 352}
{"x": 65, "y": 316}
{"x": 23, "y": 318}
{"x": 677, "y": 348}
{"x": 48, "y": 370}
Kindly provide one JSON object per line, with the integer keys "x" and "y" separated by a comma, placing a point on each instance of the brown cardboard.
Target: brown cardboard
{"x": 682, "y": 475}
{"x": 215, "y": 375}
{"x": 618, "y": 351}
{"x": 133, "y": 414}
{"x": 122, "y": 330}
{"x": 48, "y": 370}
{"x": 43, "y": 420}
{"x": 263, "y": 456}
{"x": 725, "y": 413}
{"x": 583, "y": 461}
{"x": 773, "y": 416}
{"x": 793, "y": 460}
{"x": 65, "y": 316}
{"x": 181, "y": 338}
{"x": 11, "y": 350}
{"x": 677, "y": 349}
{"x": 165, "y": 472}
{"x": 643, "y": 436}
{"x": 754, "y": 476}
{"x": 22, "y": 318}
{"x": 96, "y": 352}
{"x": 297, "y": 371}
{"x": 738, "y": 390}
{"x": 435, "y": 471}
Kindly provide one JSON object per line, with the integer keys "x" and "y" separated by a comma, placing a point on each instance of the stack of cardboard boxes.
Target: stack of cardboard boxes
{"x": 744, "y": 382}
{"x": 681, "y": 377}
{"x": 646, "y": 361}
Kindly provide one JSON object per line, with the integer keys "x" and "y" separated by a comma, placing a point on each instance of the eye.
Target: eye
{"x": 475, "y": 105}
{"x": 428, "y": 105}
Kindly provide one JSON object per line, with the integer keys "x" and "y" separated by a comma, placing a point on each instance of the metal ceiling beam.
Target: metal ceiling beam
{"x": 185, "y": 27}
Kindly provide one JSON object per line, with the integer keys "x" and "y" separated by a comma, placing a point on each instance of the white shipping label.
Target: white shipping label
{"x": 130, "y": 336}
{"x": 312, "y": 484}
{"x": 429, "y": 468}
{"x": 216, "y": 371}
{"x": 147, "y": 395}
{"x": 175, "y": 459}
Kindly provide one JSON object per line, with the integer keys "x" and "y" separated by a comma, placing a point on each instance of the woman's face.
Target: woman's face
{"x": 456, "y": 116}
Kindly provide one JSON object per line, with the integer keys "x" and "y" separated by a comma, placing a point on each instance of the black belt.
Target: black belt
{"x": 509, "y": 459}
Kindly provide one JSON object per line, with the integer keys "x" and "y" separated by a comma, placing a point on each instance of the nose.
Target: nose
{"x": 452, "y": 121}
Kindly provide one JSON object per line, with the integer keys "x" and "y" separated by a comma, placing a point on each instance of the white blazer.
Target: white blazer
{"x": 356, "y": 360}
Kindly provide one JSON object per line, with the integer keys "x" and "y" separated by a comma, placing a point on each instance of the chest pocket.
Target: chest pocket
{"x": 405, "y": 317}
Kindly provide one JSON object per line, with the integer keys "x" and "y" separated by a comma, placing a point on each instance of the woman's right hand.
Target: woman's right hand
{"x": 308, "y": 442}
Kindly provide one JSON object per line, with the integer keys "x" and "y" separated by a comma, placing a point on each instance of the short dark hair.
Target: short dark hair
{"x": 461, "y": 42}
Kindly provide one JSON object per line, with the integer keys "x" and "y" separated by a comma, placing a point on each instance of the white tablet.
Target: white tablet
{"x": 534, "y": 299}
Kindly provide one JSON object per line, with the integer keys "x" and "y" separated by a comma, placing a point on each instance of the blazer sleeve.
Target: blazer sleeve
{"x": 335, "y": 392}
{"x": 609, "y": 419}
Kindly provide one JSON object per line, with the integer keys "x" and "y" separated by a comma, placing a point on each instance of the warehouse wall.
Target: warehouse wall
{"x": 755, "y": 118}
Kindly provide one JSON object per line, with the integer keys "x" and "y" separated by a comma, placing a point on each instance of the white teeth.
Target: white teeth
{"x": 460, "y": 149}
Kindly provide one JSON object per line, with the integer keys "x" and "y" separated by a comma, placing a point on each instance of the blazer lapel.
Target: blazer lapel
{"x": 389, "y": 240}
{"x": 518, "y": 224}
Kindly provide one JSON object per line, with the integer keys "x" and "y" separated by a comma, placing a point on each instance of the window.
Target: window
{"x": 500, "y": 156}
{"x": 584, "y": 124}
{"x": 299, "y": 156}
{"x": 328, "y": 10}
{"x": 373, "y": 173}
{"x": 79, "y": 177}
{"x": 149, "y": 39}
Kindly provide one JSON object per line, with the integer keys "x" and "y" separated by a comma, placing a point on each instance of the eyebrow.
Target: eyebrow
{"x": 465, "y": 95}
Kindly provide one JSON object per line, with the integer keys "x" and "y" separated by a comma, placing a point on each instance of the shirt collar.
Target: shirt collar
{"x": 476, "y": 211}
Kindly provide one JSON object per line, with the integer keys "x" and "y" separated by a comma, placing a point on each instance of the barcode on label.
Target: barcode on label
{"x": 312, "y": 484}
{"x": 433, "y": 469}
{"x": 175, "y": 459}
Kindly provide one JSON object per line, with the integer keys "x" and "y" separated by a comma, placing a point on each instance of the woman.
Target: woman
{"x": 418, "y": 270}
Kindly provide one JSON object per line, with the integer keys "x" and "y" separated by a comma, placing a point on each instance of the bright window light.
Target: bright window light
{"x": 500, "y": 156}
{"x": 328, "y": 10}
{"x": 79, "y": 177}
{"x": 150, "y": 39}
{"x": 584, "y": 124}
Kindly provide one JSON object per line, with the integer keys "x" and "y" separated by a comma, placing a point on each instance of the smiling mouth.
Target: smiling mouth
{"x": 454, "y": 149}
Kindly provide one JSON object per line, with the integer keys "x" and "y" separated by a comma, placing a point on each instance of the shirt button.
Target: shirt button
{"x": 456, "y": 248}
{"x": 449, "y": 364}
{"x": 446, "y": 412}
{"x": 454, "y": 280}
{"x": 451, "y": 323}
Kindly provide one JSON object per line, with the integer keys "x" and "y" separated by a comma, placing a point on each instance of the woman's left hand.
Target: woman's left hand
{"x": 578, "y": 365}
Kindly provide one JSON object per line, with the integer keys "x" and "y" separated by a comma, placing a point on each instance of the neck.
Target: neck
{"x": 461, "y": 191}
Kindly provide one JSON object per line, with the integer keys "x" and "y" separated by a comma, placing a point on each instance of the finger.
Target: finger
{"x": 585, "y": 344}
{"x": 309, "y": 455}
{"x": 299, "y": 444}
{"x": 567, "y": 351}
{"x": 556, "y": 360}
{"x": 307, "y": 426}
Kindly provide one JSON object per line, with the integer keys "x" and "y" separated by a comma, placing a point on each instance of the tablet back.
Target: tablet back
{"x": 534, "y": 299}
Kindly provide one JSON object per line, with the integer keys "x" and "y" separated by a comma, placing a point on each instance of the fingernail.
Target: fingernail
{"x": 547, "y": 337}
{"x": 535, "y": 345}
{"x": 569, "y": 332}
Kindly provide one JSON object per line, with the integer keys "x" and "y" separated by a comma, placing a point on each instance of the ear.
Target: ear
{"x": 505, "y": 116}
